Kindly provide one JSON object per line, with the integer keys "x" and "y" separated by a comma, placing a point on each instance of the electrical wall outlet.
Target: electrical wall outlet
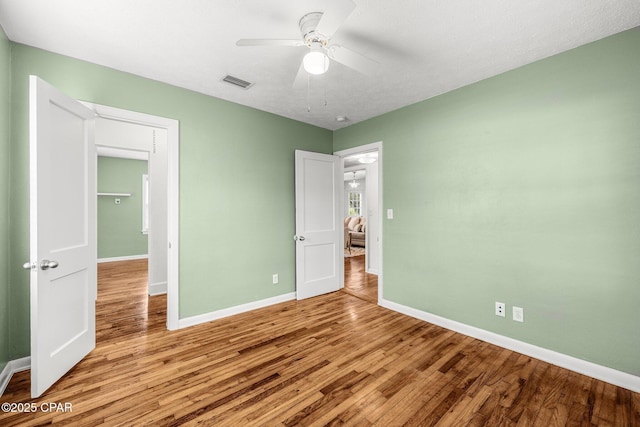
{"x": 500, "y": 309}
{"x": 518, "y": 314}
{"x": 275, "y": 279}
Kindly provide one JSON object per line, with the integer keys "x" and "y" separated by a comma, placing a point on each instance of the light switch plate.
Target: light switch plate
{"x": 518, "y": 314}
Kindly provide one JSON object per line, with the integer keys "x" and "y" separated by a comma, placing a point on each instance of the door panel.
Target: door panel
{"x": 63, "y": 231}
{"x": 319, "y": 262}
{"x": 318, "y": 225}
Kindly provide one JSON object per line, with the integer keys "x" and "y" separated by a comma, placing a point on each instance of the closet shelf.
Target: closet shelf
{"x": 115, "y": 194}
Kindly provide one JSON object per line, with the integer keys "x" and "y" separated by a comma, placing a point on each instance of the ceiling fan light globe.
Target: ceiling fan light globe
{"x": 316, "y": 63}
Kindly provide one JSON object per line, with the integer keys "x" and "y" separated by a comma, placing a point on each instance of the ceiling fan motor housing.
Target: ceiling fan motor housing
{"x": 308, "y": 25}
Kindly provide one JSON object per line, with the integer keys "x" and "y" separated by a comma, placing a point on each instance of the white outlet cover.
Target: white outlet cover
{"x": 501, "y": 309}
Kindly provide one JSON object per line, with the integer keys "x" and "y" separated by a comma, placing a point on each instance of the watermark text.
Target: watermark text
{"x": 37, "y": 407}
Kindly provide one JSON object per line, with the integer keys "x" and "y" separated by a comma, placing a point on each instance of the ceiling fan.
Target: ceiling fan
{"x": 316, "y": 29}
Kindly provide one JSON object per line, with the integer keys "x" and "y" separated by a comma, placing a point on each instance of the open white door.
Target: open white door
{"x": 62, "y": 233}
{"x": 318, "y": 224}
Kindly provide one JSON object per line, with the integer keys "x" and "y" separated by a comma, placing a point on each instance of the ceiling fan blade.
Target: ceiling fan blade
{"x": 302, "y": 77}
{"x": 334, "y": 17}
{"x": 352, "y": 59}
{"x": 269, "y": 42}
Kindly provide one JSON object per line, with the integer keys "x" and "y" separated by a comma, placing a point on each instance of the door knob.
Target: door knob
{"x": 46, "y": 264}
{"x": 301, "y": 238}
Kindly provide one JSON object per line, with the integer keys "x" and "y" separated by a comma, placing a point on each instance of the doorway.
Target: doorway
{"x": 159, "y": 137}
{"x": 362, "y": 213}
{"x": 122, "y": 204}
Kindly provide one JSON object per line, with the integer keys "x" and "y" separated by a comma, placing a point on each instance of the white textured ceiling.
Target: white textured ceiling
{"x": 423, "y": 47}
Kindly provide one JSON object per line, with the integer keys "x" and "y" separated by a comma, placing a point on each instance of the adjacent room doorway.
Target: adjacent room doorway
{"x": 159, "y": 137}
{"x": 362, "y": 213}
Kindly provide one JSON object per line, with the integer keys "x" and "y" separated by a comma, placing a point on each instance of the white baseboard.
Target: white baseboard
{"x": 123, "y": 258}
{"x": 612, "y": 376}
{"x": 219, "y": 314}
{"x": 157, "y": 288}
{"x": 11, "y": 368}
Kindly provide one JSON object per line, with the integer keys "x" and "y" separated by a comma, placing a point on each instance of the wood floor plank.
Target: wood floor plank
{"x": 635, "y": 409}
{"x": 463, "y": 411}
{"x": 336, "y": 359}
{"x": 359, "y": 283}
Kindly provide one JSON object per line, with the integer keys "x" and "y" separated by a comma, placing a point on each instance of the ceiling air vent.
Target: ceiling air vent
{"x": 237, "y": 82}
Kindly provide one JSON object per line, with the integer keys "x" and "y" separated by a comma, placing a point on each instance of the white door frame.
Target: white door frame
{"x": 375, "y": 146}
{"x": 172, "y": 127}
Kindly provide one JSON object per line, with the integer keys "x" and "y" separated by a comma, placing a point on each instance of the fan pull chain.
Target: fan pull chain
{"x": 324, "y": 91}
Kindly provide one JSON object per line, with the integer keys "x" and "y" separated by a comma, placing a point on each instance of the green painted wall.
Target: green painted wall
{"x": 525, "y": 189}
{"x": 522, "y": 188}
{"x": 236, "y": 183}
{"x": 5, "y": 154}
{"x": 120, "y": 226}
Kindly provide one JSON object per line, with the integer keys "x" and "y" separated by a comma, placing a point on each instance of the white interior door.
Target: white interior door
{"x": 62, "y": 233}
{"x": 318, "y": 224}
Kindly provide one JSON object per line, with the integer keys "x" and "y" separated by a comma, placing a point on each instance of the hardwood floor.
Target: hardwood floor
{"x": 329, "y": 360}
{"x": 358, "y": 282}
